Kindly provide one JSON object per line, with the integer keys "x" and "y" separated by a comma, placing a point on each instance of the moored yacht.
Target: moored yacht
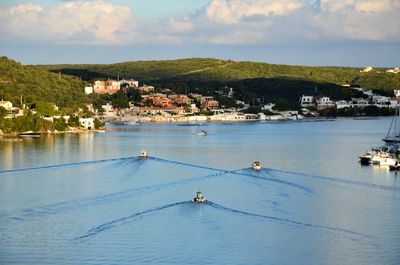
{"x": 382, "y": 158}
{"x": 366, "y": 158}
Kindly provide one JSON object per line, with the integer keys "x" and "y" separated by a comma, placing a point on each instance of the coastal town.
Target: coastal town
{"x": 163, "y": 105}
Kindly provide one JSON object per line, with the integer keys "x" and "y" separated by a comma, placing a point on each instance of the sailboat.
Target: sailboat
{"x": 393, "y": 134}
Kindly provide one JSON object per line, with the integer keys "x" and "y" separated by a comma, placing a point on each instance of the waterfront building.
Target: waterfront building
{"x": 87, "y": 123}
{"x": 381, "y": 101}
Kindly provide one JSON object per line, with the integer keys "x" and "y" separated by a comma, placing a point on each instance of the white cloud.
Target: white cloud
{"x": 374, "y": 5}
{"x": 232, "y": 11}
{"x": 93, "y": 21}
{"x": 219, "y": 22}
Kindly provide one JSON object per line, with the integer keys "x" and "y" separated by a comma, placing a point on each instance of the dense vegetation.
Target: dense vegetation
{"x": 35, "y": 84}
{"x": 206, "y": 70}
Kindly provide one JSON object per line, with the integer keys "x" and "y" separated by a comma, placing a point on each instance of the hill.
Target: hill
{"x": 250, "y": 80}
{"x": 38, "y": 84}
{"x": 215, "y": 70}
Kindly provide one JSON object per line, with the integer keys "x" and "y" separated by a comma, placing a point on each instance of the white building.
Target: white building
{"x": 359, "y": 102}
{"x": 380, "y": 99}
{"x": 394, "y": 70}
{"x": 394, "y": 103}
{"x": 367, "y": 69}
{"x": 325, "y": 102}
{"x": 268, "y": 107}
{"x": 6, "y": 104}
{"x": 341, "y": 104}
{"x": 88, "y": 90}
{"x": 130, "y": 82}
{"x": 87, "y": 123}
{"x": 307, "y": 101}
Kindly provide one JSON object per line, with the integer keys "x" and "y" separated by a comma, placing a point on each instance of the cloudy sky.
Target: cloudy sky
{"x": 302, "y": 32}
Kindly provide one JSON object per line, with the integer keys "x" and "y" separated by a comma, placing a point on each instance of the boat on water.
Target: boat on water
{"x": 382, "y": 158}
{"x": 256, "y": 165}
{"x": 202, "y": 133}
{"x": 393, "y": 134}
{"x": 366, "y": 158}
{"x": 395, "y": 167}
{"x": 143, "y": 154}
{"x": 200, "y": 198}
{"x": 29, "y": 135}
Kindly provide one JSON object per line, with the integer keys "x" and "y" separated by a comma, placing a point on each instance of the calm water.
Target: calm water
{"x": 313, "y": 204}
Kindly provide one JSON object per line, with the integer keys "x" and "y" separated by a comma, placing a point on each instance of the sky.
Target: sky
{"x": 298, "y": 32}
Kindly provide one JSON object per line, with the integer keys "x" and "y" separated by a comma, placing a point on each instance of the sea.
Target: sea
{"x": 89, "y": 199}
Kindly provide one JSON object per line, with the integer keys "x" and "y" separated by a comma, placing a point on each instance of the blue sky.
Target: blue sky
{"x": 300, "y": 32}
{"x": 146, "y": 9}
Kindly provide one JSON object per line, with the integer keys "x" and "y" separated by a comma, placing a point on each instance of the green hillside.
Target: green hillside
{"x": 209, "y": 70}
{"x": 38, "y": 84}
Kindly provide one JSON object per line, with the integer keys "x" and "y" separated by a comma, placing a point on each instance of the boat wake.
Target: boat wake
{"x": 279, "y": 181}
{"x": 66, "y": 165}
{"x": 124, "y": 220}
{"x": 343, "y": 181}
{"x": 286, "y": 221}
{"x": 109, "y": 198}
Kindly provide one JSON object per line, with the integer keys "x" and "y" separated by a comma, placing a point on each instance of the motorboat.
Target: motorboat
{"x": 395, "y": 167}
{"x": 366, "y": 158}
{"x": 202, "y": 133}
{"x": 143, "y": 154}
{"x": 199, "y": 197}
{"x": 256, "y": 165}
{"x": 30, "y": 135}
{"x": 383, "y": 158}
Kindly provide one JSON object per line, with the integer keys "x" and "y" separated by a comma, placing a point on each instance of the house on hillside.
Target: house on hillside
{"x": 88, "y": 90}
{"x": 6, "y": 104}
{"x": 325, "y": 102}
{"x": 307, "y": 101}
{"x": 341, "y": 104}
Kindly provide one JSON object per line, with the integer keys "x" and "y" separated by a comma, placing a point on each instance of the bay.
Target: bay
{"x": 311, "y": 204}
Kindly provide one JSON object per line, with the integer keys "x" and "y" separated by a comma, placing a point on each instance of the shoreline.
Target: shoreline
{"x": 14, "y": 135}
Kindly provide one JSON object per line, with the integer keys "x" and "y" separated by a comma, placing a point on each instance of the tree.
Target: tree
{"x": 282, "y": 104}
{"x": 120, "y": 103}
{"x": 3, "y": 112}
{"x": 134, "y": 94}
{"x": 45, "y": 108}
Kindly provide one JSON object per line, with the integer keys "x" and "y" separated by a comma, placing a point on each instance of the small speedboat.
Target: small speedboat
{"x": 143, "y": 154}
{"x": 256, "y": 165}
{"x": 199, "y": 197}
{"x": 202, "y": 133}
